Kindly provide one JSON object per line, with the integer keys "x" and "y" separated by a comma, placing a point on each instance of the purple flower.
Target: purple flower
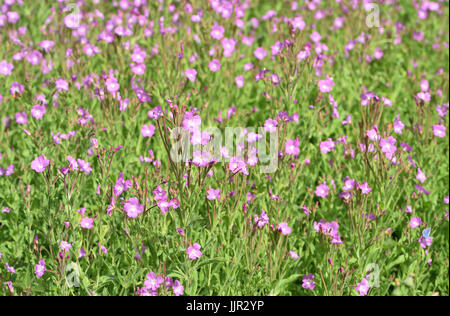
{"x": 217, "y": 32}
{"x": 194, "y": 251}
{"x": 6, "y": 68}
{"x": 425, "y": 241}
{"x": 439, "y": 131}
{"x": 87, "y": 223}
{"x": 16, "y": 88}
{"x": 133, "y": 208}
{"x": 213, "y": 194}
{"x": 10, "y": 269}
{"x": 325, "y": 86}
{"x": 424, "y": 96}
{"x": 181, "y": 231}
{"x": 82, "y": 253}
{"x": 214, "y": 65}
{"x": 148, "y": 130}
{"x": 398, "y": 125}
{"x": 177, "y": 288}
{"x": 327, "y": 146}
{"x": 84, "y": 166}
{"x": 40, "y": 269}
{"x": 72, "y": 21}
{"x": 292, "y": 147}
{"x": 237, "y": 164}
{"x": 65, "y": 246}
{"x": 261, "y": 220}
{"x": 40, "y": 163}
{"x": 260, "y": 53}
{"x": 322, "y": 190}
{"x": 191, "y": 74}
{"x": 153, "y": 282}
{"x": 91, "y": 50}
{"x": 415, "y": 222}
{"x": 293, "y": 255}
{"x": 112, "y": 85}
{"x": 363, "y": 287}
{"x": 21, "y": 118}
{"x": 239, "y": 81}
{"x": 378, "y": 53}
{"x": 308, "y": 283}
{"x": 38, "y": 111}
{"x": 365, "y": 189}
{"x": 103, "y": 249}
{"x": 61, "y": 85}
{"x": 271, "y": 125}
{"x": 421, "y": 176}
{"x": 284, "y": 228}
{"x": 315, "y": 37}
{"x": 388, "y": 146}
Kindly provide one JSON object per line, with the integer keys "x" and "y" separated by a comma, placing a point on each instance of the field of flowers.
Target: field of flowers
{"x": 224, "y": 147}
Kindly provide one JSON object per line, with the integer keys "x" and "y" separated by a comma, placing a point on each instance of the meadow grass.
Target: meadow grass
{"x": 91, "y": 203}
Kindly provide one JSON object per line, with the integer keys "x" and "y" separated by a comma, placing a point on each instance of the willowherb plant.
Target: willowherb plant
{"x": 224, "y": 148}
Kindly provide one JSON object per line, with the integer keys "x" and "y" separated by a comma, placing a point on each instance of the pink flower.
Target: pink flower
{"x": 239, "y": 81}
{"x": 6, "y": 68}
{"x": 177, "y": 288}
{"x": 424, "y": 96}
{"x": 261, "y": 220}
{"x": 9, "y": 268}
{"x": 421, "y": 176}
{"x": 398, "y": 125}
{"x": 217, "y": 32}
{"x": 315, "y": 37}
{"x": 365, "y": 189}
{"x": 61, "y": 85}
{"x": 38, "y": 111}
{"x": 65, "y": 246}
{"x": 378, "y": 53}
{"x": 388, "y": 146}
{"x": 91, "y": 50}
{"x": 133, "y": 208}
{"x": 439, "y": 131}
{"x": 326, "y": 85}
{"x": 415, "y": 222}
{"x": 21, "y": 118}
{"x": 237, "y": 164}
{"x": 292, "y": 147}
{"x": 293, "y": 255}
{"x": 112, "y": 85}
{"x": 194, "y": 251}
{"x": 270, "y": 125}
{"x": 40, "y": 269}
{"x": 363, "y": 287}
{"x": 87, "y": 223}
{"x": 214, "y": 65}
{"x": 84, "y": 166}
{"x": 148, "y": 130}
{"x": 425, "y": 241}
{"x": 327, "y": 146}
{"x": 213, "y": 194}
{"x": 260, "y": 53}
{"x": 40, "y": 163}
{"x": 284, "y": 228}
{"x": 322, "y": 190}
{"x": 72, "y": 21}
{"x": 153, "y": 282}
{"x": 308, "y": 283}
{"x": 191, "y": 74}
